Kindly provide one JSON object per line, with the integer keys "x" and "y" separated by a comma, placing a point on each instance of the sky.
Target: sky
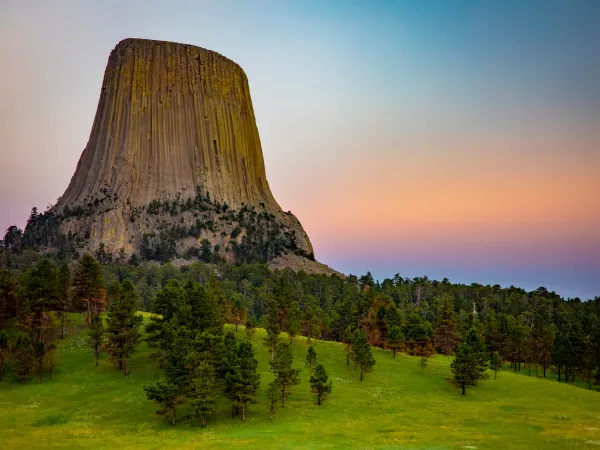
{"x": 449, "y": 139}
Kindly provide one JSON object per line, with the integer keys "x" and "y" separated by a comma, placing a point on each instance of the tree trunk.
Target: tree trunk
{"x": 203, "y": 421}
{"x": 318, "y": 399}
{"x": 544, "y": 370}
{"x": 236, "y": 332}
{"x": 463, "y": 388}
{"x": 283, "y": 397}
{"x": 64, "y": 316}
{"x": 126, "y": 366}
{"x": 244, "y": 410}
{"x": 394, "y": 352}
{"x": 97, "y": 354}
{"x": 361, "y": 373}
{"x": 558, "y": 373}
{"x": 173, "y": 414}
{"x": 495, "y": 373}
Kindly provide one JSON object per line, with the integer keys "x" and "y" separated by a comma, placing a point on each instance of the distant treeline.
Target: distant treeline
{"x": 421, "y": 316}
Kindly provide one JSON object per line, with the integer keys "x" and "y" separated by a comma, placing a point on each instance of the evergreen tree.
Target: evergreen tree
{"x": 445, "y": 333}
{"x": 273, "y": 397}
{"x": 95, "y": 336}
{"x": 23, "y": 355}
{"x": 250, "y": 327}
{"x": 315, "y": 332}
{"x": 393, "y": 317}
{"x": 543, "y": 336}
{"x": 423, "y": 363}
{"x": 207, "y": 307}
{"x": 50, "y": 358}
{"x": 123, "y": 325}
{"x": 418, "y": 333}
{"x": 236, "y": 313}
{"x": 202, "y": 392}
{"x": 7, "y": 295}
{"x": 395, "y": 338}
{"x": 174, "y": 345}
{"x": 286, "y": 377}
{"x": 166, "y": 393}
{"x": 293, "y": 321}
{"x": 39, "y": 355}
{"x": 170, "y": 301}
{"x": 273, "y": 327}
{"x": 470, "y": 362}
{"x": 38, "y": 295}
{"x": 88, "y": 285}
{"x": 495, "y": 362}
{"x": 381, "y": 324}
{"x": 311, "y": 358}
{"x": 4, "y": 351}
{"x": 230, "y": 346}
{"x": 64, "y": 295}
{"x": 209, "y": 348}
{"x": 271, "y": 339}
{"x": 244, "y": 380}
{"x": 516, "y": 342}
{"x": 347, "y": 341}
{"x": 320, "y": 383}
{"x": 363, "y": 356}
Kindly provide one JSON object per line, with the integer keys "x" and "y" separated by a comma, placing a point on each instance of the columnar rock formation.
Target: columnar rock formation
{"x": 174, "y": 144}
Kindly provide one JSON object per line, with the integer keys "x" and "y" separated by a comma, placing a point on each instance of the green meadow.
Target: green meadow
{"x": 396, "y": 406}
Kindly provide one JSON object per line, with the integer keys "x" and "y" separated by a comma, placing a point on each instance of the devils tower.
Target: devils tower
{"x": 174, "y": 166}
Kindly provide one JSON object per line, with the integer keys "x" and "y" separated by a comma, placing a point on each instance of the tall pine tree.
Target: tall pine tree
{"x": 38, "y": 295}
{"x": 471, "y": 361}
{"x": 88, "y": 285}
{"x": 320, "y": 383}
{"x": 123, "y": 325}
{"x": 286, "y": 377}
{"x": 64, "y": 296}
{"x": 202, "y": 392}
{"x": 95, "y": 336}
{"x": 244, "y": 380}
{"x": 363, "y": 356}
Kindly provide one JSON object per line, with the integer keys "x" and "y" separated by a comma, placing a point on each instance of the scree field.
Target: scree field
{"x": 396, "y": 406}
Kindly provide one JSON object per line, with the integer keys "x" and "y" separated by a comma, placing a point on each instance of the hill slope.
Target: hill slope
{"x": 397, "y": 406}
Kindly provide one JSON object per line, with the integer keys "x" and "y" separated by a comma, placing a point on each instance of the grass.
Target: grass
{"x": 397, "y": 406}
{"x": 539, "y": 373}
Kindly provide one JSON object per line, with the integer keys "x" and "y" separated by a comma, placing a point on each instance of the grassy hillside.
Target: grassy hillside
{"x": 397, "y": 406}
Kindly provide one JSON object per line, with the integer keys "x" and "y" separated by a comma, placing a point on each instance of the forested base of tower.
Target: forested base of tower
{"x": 192, "y": 228}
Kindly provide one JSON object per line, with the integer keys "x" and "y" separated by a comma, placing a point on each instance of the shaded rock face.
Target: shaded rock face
{"x": 174, "y": 144}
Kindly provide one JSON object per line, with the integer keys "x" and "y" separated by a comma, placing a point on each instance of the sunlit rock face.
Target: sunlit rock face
{"x": 175, "y": 128}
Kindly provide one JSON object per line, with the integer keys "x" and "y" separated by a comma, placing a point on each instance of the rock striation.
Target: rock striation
{"x": 174, "y": 154}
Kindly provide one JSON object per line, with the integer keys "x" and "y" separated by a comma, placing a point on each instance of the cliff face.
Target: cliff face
{"x": 174, "y": 145}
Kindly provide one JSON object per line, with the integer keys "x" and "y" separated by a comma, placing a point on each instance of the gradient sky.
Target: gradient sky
{"x": 455, "y": 139}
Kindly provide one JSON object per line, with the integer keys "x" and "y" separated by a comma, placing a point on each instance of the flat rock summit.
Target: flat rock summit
{"x": 174, "y": 166}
